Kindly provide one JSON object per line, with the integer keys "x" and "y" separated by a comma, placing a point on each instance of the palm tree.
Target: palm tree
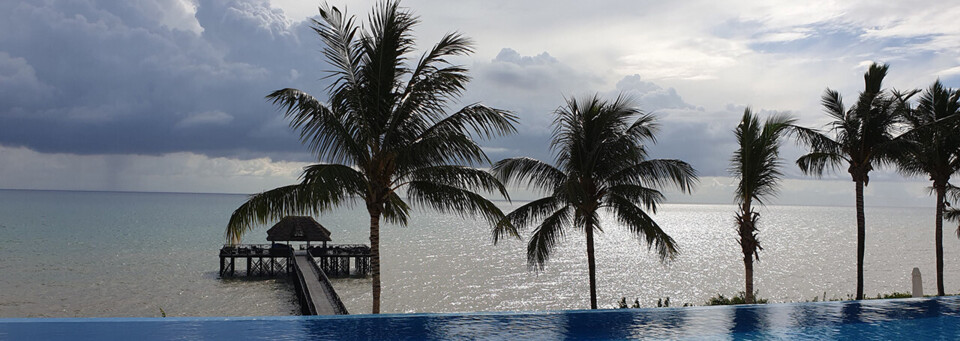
{"x": 863, "y": 139}
{"x": 757, "y": 165}
{"x": 383, "y": 130}
{"x": 600, "y": 164}
{"x": 935, "y": 146}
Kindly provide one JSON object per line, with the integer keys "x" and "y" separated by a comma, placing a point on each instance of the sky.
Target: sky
{"x": 168, "y": 95}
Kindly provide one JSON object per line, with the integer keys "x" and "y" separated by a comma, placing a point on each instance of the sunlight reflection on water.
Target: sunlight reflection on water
{"x": 445, "y": 264}
{"x": 130, "y": 254}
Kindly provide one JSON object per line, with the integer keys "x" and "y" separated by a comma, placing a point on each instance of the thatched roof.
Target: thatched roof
{"x": 300, "y": 229}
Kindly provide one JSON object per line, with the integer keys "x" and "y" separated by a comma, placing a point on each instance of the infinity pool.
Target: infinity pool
{"x": 935, "y": 318}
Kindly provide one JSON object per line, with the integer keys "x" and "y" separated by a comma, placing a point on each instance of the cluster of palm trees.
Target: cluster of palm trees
{"x": 385, "y": 131}
{"x": 883, "y": 128}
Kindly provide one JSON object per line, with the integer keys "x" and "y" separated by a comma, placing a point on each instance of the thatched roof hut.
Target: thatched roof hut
{"x": 299, "y": 229}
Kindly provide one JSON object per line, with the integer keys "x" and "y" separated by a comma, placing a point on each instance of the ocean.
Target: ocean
{"x": 108, "y": 254}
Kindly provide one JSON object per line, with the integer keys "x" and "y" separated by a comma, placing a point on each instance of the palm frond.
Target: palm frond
{"x": 321, "y": 129}
{"x": 439, "y": 149}
{"x": 339, "y": 34}
{"x": 459, "y": 176}
{"x": 535, "y": 173}
{"x": 833, "y": 105}
{"x": 643, "y": 227}
{"x": 341, "y": 177}
{"x": 395, "y": 210}
{"x": 648, "y": 198}
{"x": 644, "y": 128}
{"x": 452, "y": 199}
{"x": 815, "y": 140}
{"x": 277, "y": 203}
{"x": 816, "y": 163}
{"x": 546, "y": 236}
{"x": 435, "y": 79}
{"x": 521, "y": 217}
{"x": 658, "y": 173}
{"x": 952, "y": 214}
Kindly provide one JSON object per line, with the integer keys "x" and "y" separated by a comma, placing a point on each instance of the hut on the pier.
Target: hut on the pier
{"x": 298, "y": 229}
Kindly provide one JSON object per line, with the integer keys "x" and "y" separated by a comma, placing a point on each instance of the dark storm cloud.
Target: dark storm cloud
{"x": 534, "y": 86}
{"x": 85, "y": 77}
{"x": 92, "y": 77}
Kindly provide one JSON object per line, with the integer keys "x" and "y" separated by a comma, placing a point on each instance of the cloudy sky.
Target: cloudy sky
{"x": 167, "y": 95}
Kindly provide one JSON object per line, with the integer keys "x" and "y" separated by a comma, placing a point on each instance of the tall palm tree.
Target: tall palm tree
{"x": 935, "y": 140}
{"x": 600, "y": 164}
{"x": 863, "y": 138}
{"x": 384, "y": 129}
{"x": 757, "y": 166}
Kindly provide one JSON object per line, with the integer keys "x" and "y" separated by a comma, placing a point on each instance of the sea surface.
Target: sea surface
{"x": 107, "y": 254}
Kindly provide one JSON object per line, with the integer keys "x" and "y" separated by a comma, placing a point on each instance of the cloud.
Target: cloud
{"x": 807, "y": 191}
{"x": 530, "y": 86}
{"x": 210, "y": 117}
{"x": 650, "y": 96}
{"x": 116, "y": 78}
{"x": 18, "y": 82}
{"x": 162, "y": 77}
{"x": 23, "y": 168}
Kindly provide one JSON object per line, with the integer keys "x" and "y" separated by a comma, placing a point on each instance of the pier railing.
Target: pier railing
{"x": 342, "y": 249}
{"x": 306, "y": 307}
{"x": 256, "y": 250}
{"x": 331, "y": 293}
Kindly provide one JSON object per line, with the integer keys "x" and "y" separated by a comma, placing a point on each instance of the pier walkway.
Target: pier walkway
{"x": 316, "y": 294}
{"x": 310, "y": 269}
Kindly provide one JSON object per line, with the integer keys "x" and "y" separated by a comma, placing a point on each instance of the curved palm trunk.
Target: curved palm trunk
{"x": 748, "y": 244}
{"x": 861, "y": 240}
{"x": 591, "y": 264}
{"x": 375, "y": 257}
{"x": 941, "y": 192}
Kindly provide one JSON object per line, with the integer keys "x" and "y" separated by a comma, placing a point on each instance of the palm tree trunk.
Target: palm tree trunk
{"x": 861, "y": 240}
{"x": 591, "y": 264}
{"x": 748, "y": 246}
{"x": 375, "y": 257}
{"x": 941, "y": 192}
{"x": 748, "y": 274}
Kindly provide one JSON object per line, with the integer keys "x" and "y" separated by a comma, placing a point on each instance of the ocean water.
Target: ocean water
{"x": 96, "y": 254}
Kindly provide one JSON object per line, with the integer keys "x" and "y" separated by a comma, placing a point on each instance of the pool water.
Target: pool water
{"x": 929, "y": 318}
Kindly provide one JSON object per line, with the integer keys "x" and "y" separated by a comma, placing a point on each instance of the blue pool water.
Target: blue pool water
{"x": 937, "y": 318}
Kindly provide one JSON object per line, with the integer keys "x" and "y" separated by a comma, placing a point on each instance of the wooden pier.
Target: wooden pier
{"x": 265, "y": 260}
{"x": 261, "y": 260}
{"x": 335, "y": 259}
{"x": 309, "y": 269}
{"x": 314, "y": 291}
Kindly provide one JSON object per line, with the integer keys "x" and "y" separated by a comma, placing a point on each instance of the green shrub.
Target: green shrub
{"x": 896, "y": 295}
{"x": 740, "y": 298}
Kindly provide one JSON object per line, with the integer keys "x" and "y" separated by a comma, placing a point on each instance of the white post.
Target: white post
{"x": 917, "y": 283}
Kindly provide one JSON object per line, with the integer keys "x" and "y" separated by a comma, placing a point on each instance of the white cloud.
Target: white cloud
{"x": 950, "y": 72}
{"x": 773, "y": 37}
